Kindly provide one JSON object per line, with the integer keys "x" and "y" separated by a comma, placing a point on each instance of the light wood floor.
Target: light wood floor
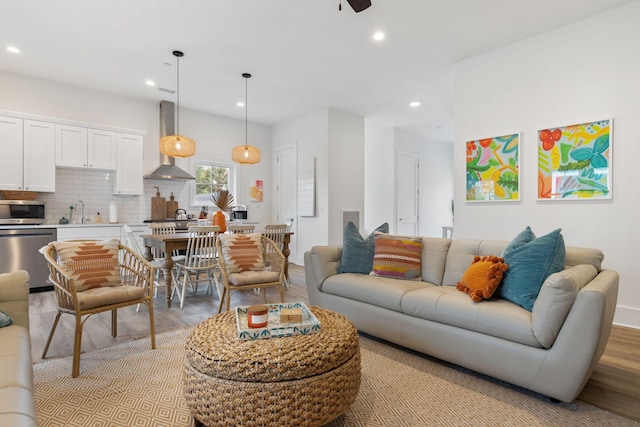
{"x": 614, "y": 386}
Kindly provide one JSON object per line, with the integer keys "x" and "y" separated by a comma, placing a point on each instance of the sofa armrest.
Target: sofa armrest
{"x": 14, "y": 296}
{"x": 324, "y": 261}
{"x": 555, "y": 299}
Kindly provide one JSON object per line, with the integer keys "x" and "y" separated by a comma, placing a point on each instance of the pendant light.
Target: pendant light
{"x": 246, "y": 154}
{"x": 177, "y": 145}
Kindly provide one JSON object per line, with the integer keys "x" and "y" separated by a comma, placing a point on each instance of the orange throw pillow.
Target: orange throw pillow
{"x": 483, "y": 277}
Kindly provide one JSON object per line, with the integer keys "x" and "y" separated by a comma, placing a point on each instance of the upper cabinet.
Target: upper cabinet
{"x": 129, "y": 165}
{"x": 29, "y": 155}
{"x": 79, "y": 147}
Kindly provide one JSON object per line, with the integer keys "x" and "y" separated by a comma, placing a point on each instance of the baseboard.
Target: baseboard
{"x": 627, "y": 316}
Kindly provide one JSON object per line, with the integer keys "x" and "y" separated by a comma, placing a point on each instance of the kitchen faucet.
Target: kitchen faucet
{"x": 81, "y": 203}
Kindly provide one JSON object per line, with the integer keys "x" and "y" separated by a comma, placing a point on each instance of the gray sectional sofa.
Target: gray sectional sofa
{"x": 17, "y": 404}
{"x": 551, "y": 350}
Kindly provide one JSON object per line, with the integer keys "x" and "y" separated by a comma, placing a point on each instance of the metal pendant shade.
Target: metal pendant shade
{"x": 177, "y": 145}
{"x": 246, "y": 154}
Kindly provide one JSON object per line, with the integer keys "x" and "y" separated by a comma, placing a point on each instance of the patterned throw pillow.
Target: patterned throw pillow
{"x": 92, "y": 264}
{"x": 397, "y": 257}
{"x": 242, "y": 252}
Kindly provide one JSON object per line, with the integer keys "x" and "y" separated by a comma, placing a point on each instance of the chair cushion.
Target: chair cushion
{"x": 242, "y": 252}
{"x": 92, "y": 264}
{"x": 101, "y": 296}
{"x": 254, "y": 277}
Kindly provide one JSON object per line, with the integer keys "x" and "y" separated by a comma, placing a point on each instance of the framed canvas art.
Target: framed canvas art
{"x": 493, "y": 169}
{"x": 574, "y": 162}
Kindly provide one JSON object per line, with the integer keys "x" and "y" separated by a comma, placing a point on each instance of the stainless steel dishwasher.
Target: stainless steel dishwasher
{"x": 19, "y": 250}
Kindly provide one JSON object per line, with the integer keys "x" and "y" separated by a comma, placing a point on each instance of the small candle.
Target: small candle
{"x": 257, "y": 316}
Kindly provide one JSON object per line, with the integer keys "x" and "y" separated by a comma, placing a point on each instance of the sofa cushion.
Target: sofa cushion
{"x": 242, "y": 252}
{"x": 529, "y": 266}
{"x": 447, "y": 305}
{"x": 90, "y": 263}
{"x": 357, "y": 252}
{"x": 555, "y": 299}
{"x": 397, "y": 257}
{"x": 380, "y": 291}
{"x": 434, "y": 257}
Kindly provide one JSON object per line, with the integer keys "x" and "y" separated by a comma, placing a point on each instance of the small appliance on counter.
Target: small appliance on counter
{"x": 239, "y": 213}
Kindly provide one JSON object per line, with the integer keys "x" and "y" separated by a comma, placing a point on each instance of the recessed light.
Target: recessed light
{"x": 414, "y": 104}
{"x": 13, "y": 49}
{"x": 240, "y": 104}
{"x": 378, "y": 36}
{"x": 150, "y": 83}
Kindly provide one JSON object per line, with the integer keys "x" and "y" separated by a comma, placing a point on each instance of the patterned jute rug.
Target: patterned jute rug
{"x": 132, "y": 385}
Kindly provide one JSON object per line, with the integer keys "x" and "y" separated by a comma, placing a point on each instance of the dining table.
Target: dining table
{"x": 168, "y": 243}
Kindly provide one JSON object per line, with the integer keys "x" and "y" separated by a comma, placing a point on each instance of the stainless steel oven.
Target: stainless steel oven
{"x": 21, "y": 212}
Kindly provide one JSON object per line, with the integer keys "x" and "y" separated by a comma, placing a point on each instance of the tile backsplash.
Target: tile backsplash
{"x": 95, "y": 189}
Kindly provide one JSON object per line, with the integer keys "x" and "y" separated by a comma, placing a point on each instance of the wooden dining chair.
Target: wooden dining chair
{"x": 164, "y": 228}
{"x": 249, "y": 261}
{"x": 200, "y": 259}
{"x": 241, "y": 228}
{"x": 90, "y": 277}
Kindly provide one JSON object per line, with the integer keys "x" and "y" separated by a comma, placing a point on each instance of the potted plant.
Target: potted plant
{"x": 224, "y": 202}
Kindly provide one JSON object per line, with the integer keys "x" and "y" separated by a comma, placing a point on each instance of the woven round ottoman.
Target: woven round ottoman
{"x": 302, "y": 380}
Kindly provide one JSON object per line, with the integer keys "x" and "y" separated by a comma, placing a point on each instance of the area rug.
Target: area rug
{"x": 131, "y": 385}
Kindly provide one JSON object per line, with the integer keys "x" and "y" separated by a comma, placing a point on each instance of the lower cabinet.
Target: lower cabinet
{"x": 90, "y": 232}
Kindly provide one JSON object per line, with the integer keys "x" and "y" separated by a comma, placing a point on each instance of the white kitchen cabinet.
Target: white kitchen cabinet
{"x": 80, "y": 147}
{"x": 28, "y": 155}
{"x": 129, "y": 171}
{"x": 89, "y": 232}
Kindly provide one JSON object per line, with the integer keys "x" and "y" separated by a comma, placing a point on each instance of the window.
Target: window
{"x": 211, "y": 177}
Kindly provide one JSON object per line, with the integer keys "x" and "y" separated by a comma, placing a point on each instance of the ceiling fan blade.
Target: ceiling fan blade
{"x": 359, "y": 5}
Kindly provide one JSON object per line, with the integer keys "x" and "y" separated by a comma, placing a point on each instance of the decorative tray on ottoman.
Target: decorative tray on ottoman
{"x": 275, "y": 328}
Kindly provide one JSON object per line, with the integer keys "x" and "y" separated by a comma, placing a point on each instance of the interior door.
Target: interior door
{"x": 286, "y": 193}
{"x": 407, "y": 193}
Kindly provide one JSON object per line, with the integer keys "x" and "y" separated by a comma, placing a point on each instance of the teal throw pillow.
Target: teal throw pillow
{"x": 524, "y": 237}
{"x": 529, "y": 266}
{"x": 5, "y": 319}
{"x": 357, "y": 252}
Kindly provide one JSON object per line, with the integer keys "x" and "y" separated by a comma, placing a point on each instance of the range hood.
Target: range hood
{"x": 168, "y": 168}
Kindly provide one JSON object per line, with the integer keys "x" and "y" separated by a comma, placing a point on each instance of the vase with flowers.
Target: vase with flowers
{"x": 224, "y": 202}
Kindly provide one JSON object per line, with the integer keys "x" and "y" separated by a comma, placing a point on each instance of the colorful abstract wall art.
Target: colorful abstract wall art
{"x": 493, "y": 169}
{"x": 574, "y": 162}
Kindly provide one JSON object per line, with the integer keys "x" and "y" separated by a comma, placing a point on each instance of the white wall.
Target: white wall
{"x": 346, "y": 169}
{"x": 436, "y": 180}
{"x": 379, "y": 187}
{"x": 215, "y": 137}
{"x": 336, "y": 140}
{"x": 582, "y": 72}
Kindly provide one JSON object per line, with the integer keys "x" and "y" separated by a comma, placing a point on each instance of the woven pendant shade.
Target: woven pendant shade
{"x": 177, "y": 146}
{"x": 246, "y": 154}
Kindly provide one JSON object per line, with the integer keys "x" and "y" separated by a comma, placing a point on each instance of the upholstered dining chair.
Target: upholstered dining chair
{"x": 276, "y": 232}
{"x": 200, "y": 258}
{"x": 249, "y": 261}
{"x": 90, "y": 277}
{"x": 241, "y": 228}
